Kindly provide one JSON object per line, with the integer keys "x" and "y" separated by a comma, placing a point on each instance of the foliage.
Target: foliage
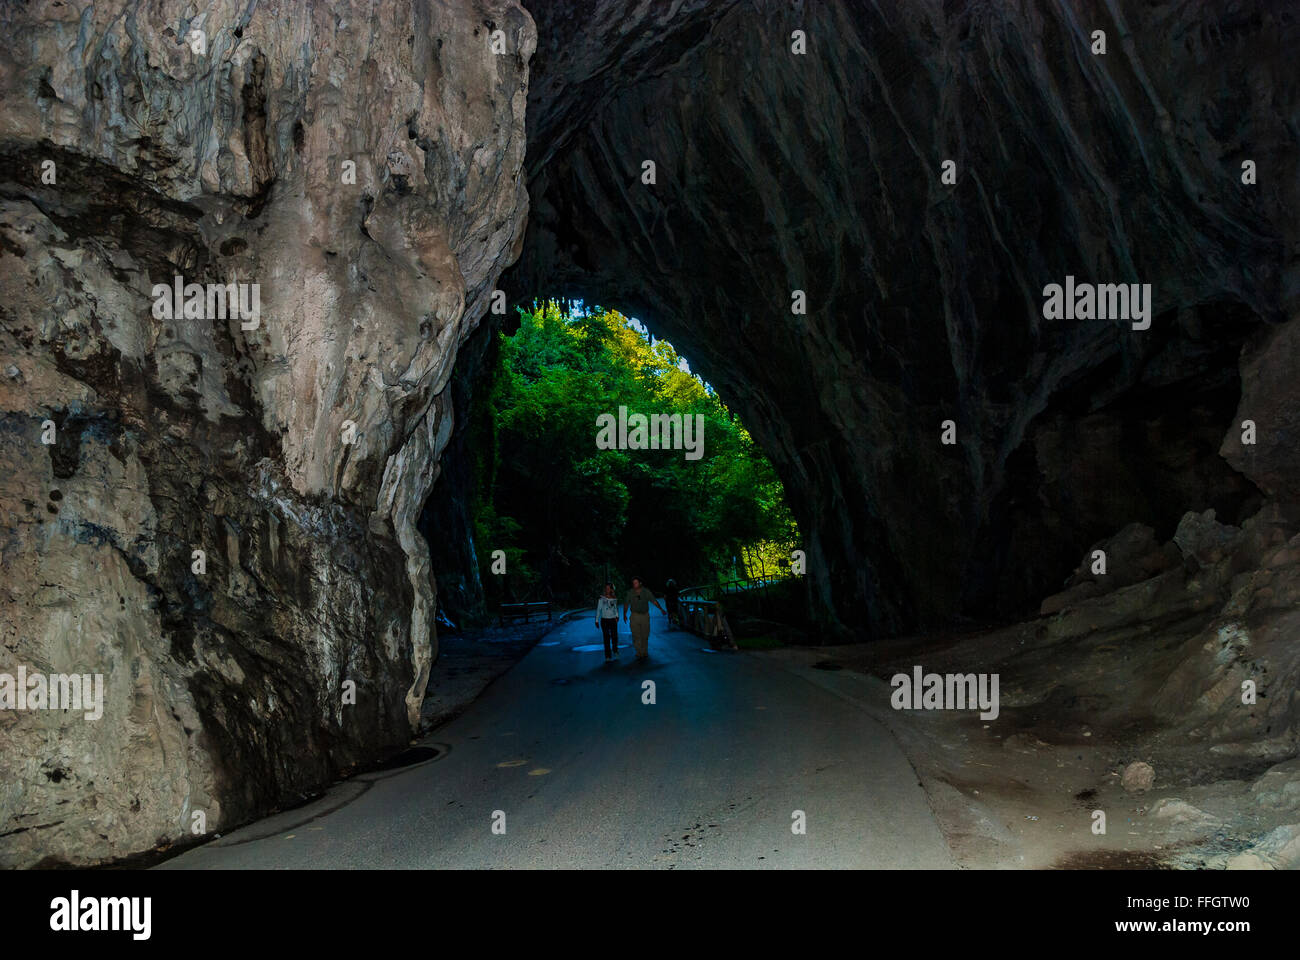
{"x": 567, "y": 513}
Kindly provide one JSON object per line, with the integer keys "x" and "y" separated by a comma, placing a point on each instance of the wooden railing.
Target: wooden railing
{"x": 713, "y": 591}
{"x": 696, "y": 605}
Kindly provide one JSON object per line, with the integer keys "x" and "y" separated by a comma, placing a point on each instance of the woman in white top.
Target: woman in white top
{"x": 607, "y": 620}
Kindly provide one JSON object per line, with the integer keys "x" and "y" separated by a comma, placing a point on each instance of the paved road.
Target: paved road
{"x": 587, "y": 775}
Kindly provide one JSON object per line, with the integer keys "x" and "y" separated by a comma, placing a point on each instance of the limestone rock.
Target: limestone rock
{"x": 1131, "y": 556}
{"x": 1279, "y": 787}
{"x": 1180, "y": 812}
{"x": 1138, "y": 777}
{"x": 1201, "y": 538}
{"x": 1269, "y": 400}
{"x": 361, "y": 163}
{"x": 1279, "y": 849}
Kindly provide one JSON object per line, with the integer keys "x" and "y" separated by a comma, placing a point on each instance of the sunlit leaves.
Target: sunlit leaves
{"x": 573, "y": 508}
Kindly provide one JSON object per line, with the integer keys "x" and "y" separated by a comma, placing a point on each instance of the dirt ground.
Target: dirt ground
{"x": 1021, "y": 790}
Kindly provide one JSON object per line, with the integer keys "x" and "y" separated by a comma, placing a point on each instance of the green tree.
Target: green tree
{"x": 565, "y": 511}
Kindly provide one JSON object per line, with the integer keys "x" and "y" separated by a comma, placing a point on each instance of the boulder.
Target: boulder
{"x": 1180, "y": 813}
{"x": 1138, "y": 777}
{"x": 1202, "y": 538}
{"x": 1279, "y": 787}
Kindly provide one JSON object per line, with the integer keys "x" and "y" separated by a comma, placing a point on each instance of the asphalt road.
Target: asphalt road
{"x": 564, "y": 754}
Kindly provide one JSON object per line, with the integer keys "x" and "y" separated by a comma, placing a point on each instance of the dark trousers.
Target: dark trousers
{"x": 609, "y": 630}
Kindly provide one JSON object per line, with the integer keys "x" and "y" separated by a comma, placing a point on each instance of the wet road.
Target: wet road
{"x": 563, "y": 755}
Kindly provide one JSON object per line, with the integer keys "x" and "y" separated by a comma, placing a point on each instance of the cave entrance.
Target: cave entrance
{"x": 589, "y": 451}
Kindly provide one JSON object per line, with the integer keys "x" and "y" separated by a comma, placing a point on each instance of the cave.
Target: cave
{"x": 846, "y": 215}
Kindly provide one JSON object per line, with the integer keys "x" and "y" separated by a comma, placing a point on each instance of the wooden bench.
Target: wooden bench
{"x": 523, "y": 611}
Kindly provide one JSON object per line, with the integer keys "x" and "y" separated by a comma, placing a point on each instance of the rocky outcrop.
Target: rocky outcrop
{"x": 821, "y": 172}
{"x": 1269, "y": 413}
{"x": 360, "y": 163}
{"x": 1211, "y": 626}
{"x": 1129, "y": 557}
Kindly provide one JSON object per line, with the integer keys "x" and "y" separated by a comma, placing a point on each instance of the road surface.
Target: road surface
{"x": 563, "y": 754}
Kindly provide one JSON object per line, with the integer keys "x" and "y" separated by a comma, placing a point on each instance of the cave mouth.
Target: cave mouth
{"x": 592, "y": 453}
{"x": 1134, "y": 439}
{"x": 848, "y": 299}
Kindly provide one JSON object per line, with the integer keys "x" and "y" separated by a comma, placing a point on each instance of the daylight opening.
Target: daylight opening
{"x": 597, "y": 454}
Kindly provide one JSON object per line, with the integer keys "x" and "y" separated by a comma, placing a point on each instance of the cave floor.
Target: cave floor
{"x": 566, "y": 761}
{"x": 1021, "y": 791}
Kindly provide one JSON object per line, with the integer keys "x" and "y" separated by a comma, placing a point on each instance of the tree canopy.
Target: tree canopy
{"x": 568, "y": 513}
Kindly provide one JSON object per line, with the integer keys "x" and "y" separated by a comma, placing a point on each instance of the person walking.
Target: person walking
{"x": 636, "y": 612}
{"x": 607, "y": 620}
{"x": 670, "y": 601}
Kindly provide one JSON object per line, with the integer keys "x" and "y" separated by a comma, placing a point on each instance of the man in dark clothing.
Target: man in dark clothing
{"x": 670, "y": 601}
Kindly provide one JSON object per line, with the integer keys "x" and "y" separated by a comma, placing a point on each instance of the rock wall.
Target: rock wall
{"x": 360, "y": 163}
{"x": 821, "y": 172}
{"x": 447, "y": 520}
